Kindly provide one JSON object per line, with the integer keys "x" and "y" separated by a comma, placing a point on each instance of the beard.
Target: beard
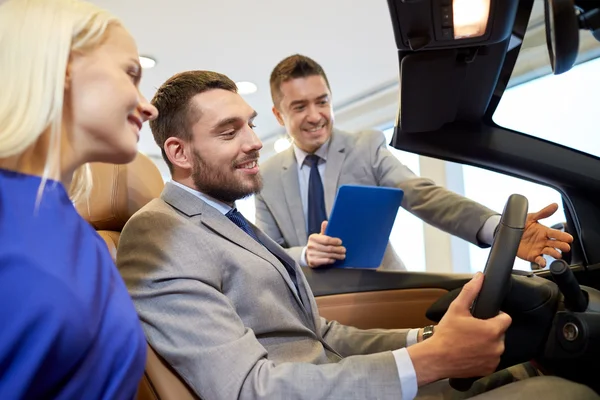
{"x": 221, "y": 183}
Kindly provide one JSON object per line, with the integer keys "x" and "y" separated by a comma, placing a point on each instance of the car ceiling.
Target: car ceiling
{"x": 354, "y": 42}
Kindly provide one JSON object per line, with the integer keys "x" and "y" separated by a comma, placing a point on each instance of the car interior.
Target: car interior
{"x": 451, "y": 82}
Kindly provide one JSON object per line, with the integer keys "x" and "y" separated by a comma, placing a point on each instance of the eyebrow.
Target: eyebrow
{"x": 298, "y": 102}
{"x": 232, "y": 120}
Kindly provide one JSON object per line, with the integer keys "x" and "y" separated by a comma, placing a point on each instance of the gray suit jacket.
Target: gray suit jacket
{"x": 361, "y": 158}
{"x": 222, "y": 310}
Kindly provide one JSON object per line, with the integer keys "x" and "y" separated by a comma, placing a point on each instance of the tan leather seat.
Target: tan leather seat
{"x": 118, "y": 192}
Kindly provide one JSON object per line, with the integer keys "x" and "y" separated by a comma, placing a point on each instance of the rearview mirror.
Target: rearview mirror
{"x": 562, "y": 34}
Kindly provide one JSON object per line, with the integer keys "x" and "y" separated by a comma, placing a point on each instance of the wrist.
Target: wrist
{"x": 425, "y": 333}
{"x": 427, "y": 362}
{"x": 303, "y": 260}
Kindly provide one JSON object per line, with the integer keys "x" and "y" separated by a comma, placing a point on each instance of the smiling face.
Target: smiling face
{"x": 224, "y": 147}
{"x": 104, "y": 108}
{"x": 305, "y": 111}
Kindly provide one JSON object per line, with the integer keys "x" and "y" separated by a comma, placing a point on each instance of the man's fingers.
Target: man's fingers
{"x": 541, "y": 261}
{"x": 559, "y": 236}
{"x": 552, "y": 252}
{"x": 314, "y": 245}
{"x": 469, "y": 292}
{"x": 326, "y": 254}
{"x": 544, "y": 212}
{"x": 324, "y": 240}
{"x": 320, "y": 262}
{"x": 562, "y": 246}
{"x": 503, "y": 321}
{"x": 323, "y": 227}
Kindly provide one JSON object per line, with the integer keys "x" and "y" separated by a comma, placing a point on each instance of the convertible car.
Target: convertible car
{"x": 456, "y": 58}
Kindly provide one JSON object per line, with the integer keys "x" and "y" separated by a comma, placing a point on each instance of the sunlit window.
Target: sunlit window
{"x": 407, "y": 236}
{"x": 493, "y": 190}
{"x": 559, "y": 108}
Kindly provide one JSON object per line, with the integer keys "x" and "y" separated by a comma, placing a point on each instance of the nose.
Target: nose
{"x": 253, "y": 143}
{"x": 148, "y": 111}
{"x": 313, "y": 116}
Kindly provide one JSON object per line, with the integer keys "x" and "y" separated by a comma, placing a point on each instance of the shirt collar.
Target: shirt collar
{"x": 219, "y": 205}
{"x": 321, "y": 152}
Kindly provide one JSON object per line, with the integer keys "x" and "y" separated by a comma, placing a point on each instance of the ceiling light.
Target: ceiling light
{"x": 470, "y": 17}
{"x": 147, "y": 62}
{"x": 246, "y": 87}
{"x": 281, "y": 144}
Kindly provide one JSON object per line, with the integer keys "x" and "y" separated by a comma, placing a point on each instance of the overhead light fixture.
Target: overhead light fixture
{"x": 246, "y": 87}
{"x": 470, "y": 18}
{"x": 147, "y": 62}
{"x": 281, "y": 144}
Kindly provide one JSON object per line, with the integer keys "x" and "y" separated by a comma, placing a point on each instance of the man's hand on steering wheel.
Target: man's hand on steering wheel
{"x": 462, "y": 346}
{"x": 539, "y": 239}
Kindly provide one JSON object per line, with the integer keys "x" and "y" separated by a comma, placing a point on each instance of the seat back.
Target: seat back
{"x": 160, "y": 382}
{"x": 118, "y": 192}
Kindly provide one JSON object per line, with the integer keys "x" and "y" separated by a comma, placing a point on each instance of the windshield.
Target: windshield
{"x": 563, "y": 109}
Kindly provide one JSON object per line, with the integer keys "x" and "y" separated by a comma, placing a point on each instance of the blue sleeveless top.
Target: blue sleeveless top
{"x": 68, "y": 328}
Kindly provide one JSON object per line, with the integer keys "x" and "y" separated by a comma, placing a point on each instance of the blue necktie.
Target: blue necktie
{"x": 316, "y": 196}
{"x": 237, "y": 218}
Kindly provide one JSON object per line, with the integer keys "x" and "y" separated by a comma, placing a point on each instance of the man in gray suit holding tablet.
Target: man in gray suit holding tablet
{"x": 232, "y": 312}
{"x": 301, "y": 182}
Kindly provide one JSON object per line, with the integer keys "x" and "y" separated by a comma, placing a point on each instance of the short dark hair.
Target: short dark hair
{"x": 293, "y": 67}
{"x": 176, "y": 114}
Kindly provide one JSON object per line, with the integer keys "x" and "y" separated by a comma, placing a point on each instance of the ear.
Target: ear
{"x": 178, "y": 153}
{"x": 74, "y": 59}
{"x": 68, "y": 75}
{"x": 278, "y": 115}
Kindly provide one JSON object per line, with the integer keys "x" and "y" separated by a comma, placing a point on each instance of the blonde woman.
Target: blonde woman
{"x": 69, "y": 76}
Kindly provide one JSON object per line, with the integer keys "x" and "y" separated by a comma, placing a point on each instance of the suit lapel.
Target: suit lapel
{"x": 302, "y": 294}
{"x": 193, "y": 206}
{"x": 291, "y": 188}
{"x": 333, "y": 168}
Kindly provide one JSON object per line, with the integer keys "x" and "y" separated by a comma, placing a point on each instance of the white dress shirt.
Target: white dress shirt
{"x": 219, "y": 205}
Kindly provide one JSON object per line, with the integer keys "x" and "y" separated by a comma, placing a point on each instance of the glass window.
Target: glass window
{"x": 559, "y": 108}
{"x": 246, "y": 207}
{"x": 407, "y": 237}
{"x": 493, "y": 189}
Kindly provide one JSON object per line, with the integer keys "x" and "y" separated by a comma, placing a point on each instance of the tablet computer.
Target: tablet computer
{"x": 363, "y": 217}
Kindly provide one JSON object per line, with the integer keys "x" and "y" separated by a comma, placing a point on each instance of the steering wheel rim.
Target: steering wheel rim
{"x": 501, "y": 258}
{"x": 498, "y": 268}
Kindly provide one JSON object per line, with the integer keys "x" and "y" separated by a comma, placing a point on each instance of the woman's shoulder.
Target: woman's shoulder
{"x": 32, "y": 288}
{"x": 50, "y": 327}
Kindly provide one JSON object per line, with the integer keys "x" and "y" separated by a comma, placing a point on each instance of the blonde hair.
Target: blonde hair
{"x": 36, "y": 40}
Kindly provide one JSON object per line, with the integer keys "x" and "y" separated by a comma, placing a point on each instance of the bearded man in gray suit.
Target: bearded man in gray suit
{"x": 233, "y": 314}
{"x": 300, "y": 183}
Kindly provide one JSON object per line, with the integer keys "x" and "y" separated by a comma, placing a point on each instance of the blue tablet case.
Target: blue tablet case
{"x": 363, "y": 217}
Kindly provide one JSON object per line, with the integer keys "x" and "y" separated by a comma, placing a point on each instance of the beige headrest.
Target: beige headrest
{"x": 119, "y": 191}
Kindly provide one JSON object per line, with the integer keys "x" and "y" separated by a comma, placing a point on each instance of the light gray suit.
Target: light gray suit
{"x": 222, "y": 310}
{"x": 363, "y": 159}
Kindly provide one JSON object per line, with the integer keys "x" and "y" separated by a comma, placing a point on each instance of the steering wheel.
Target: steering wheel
{"x": 498, "y": 267}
